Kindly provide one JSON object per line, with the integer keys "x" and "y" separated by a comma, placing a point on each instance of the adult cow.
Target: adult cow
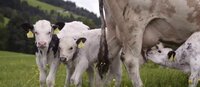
{"x": 128, "y": 19}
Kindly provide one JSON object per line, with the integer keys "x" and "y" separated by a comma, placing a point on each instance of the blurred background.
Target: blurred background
{"x": 15, "y": 12}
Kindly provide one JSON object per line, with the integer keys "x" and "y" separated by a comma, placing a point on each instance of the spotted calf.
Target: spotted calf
{"x": 185, "y": 58}
{"x": 46, "y": 44}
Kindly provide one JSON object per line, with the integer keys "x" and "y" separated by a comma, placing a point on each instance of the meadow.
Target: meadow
{"x": 20, "y": 70}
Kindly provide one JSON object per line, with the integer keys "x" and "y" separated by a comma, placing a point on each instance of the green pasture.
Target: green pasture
{"x": 20, "y": 70}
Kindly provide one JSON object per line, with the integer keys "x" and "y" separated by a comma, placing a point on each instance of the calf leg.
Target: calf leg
{"x": 69, "y": 72}
{"x": 80, "y": 68}
{"x": 42, "y": 71}
{"x": 90, "y": 72}
{"x": 52, "y": 73}
{"x": 195, "y": 69}
{"x": 193, "y": 79}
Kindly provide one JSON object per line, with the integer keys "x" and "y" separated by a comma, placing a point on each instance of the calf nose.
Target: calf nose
{"x": 149, "y": 53}
{"x": 42, "y": 44}
{"x": 63, "y": 59}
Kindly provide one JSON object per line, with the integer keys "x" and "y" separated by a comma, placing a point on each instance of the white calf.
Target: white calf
{"x": 47, "y": 46}
{"x": 82, "y": 49}
{"x": 185, "y": 58}
{"x": 70, "y": 28}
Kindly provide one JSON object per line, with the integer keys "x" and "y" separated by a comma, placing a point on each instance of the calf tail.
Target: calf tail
{"x": 103, "y": 61}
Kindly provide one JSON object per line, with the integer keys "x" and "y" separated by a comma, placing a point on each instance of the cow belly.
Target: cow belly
{"x": 160, "y": 30}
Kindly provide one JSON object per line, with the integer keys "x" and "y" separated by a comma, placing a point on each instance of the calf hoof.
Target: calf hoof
{"x": 74, "y": 82}
{"x": 49, "y": 82}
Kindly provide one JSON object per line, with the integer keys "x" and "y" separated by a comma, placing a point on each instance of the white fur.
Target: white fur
{"x": 72, "y": 28}
{"x": 187, "y": 58}
{"x": 43, "y": 33}
{"x": 86, "y": 56}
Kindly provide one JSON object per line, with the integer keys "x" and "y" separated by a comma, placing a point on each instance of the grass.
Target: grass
{"x": 20, "y": 70}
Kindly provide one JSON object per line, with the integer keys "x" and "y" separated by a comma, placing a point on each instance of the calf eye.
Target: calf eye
{"x": 159, "y": 51}
{"x": 36, "y": 33}
{"x": 49, "y": 33}
{"x": 70, "y": 48}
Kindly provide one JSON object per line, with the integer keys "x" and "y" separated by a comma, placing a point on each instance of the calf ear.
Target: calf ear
{"x": 171, "y": 55}
{"x": 80, "y": 42}
{"x": 54, "y": 26}
{"x": 82, "y": 39}
{"x": 59, "y": 25}
{"x": 27, "y": 27}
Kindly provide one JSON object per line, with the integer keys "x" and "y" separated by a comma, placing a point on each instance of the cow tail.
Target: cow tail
{"x": 103, "y": 61}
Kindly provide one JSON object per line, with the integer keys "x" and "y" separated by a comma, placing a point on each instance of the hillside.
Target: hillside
{"x": 48, "y": 7}
{"x": 71, "y": 7}
{"x": 13, "y": 13}
{"x": 77, "y": 12}
{"x": 43, "y": 6}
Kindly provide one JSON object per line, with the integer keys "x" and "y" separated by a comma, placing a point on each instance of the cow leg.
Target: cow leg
{"x": 90, "y": 72}
{"x": 42, "y": 71}
{"x": 132, "y": 46}
{"x": 132, "y": 65}
{"x": 115, "y": 70}
{"x": 79, "y": 70}
{"x": 52, "y": 73}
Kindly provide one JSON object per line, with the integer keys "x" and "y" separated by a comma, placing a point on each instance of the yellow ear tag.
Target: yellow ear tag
{"x": 81, "y": 45}
{"x": 56, "y": 31}
{"x": 30, "y": 34}
{"x": 172, "y": 58}
{"x": 190, "y": 81}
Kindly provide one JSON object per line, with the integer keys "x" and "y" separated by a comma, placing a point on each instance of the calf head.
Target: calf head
{"x": 69, "y": 47}
{"x": 43, "y": 31}
{"x": 161, "y": 55}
